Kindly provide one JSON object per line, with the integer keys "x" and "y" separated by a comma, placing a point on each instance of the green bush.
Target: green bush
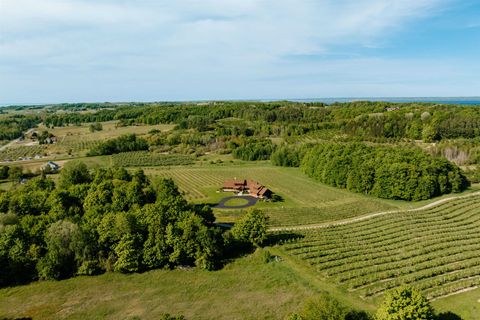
{"x": 405, "y": 303}
{"x": 251, "y": 228}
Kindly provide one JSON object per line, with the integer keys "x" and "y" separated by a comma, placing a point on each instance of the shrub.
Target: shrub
{"x": 405, "y": 303}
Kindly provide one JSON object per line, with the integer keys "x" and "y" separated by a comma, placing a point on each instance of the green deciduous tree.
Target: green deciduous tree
{"x": 386, "y": 172}
{"x": 128, "y": 252}
{"x": 15, "y": 173}
{"x": 64, "y": 245}
{"x": 405, "y": 304}
{"x": 251, "y": 228}
{"x": 74, "y": 172}
{"x": 17, "y": 257}
{"x": 325, "y": 307}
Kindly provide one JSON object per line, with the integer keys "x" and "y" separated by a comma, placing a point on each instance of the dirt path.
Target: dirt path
{"x": 13, "y": 142}
{"x": 370, "y": 215}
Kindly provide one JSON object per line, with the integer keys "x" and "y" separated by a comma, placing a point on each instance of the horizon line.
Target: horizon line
{"x": 344, "y": 99}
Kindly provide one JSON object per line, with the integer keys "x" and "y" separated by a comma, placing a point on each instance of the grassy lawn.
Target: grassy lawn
{"x": 5, "y": 185}
{"x": 200, "y": 183}
{"x": 466, "y": 305}
{"x": 109, "y": 130}
{"x": 236, "y": 202}
{"x": 248, "y": 288}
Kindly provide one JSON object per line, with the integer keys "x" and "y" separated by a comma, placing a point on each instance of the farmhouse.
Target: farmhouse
{"x": 250, "y": 187}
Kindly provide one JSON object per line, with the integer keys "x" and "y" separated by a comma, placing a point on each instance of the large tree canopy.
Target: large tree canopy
{"x": 385, "y": 172}
{"x": 107, "y": 220}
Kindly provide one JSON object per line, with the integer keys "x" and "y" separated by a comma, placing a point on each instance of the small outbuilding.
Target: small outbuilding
{"x": 51, "y": 167}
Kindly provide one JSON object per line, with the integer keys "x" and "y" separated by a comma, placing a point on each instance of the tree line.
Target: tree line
{"x": 124, "y": 143}
{"x": 425, "y": 121}
{"x": 13, "y": 127}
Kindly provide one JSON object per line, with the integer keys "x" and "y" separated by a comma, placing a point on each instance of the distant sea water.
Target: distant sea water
{"x": 439, "y": 100}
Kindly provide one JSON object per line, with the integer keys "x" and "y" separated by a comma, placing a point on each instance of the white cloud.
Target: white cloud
{"x": 33, "y": 15}
{"x": 183, "y": 43}
{"x": 273, "y": 27}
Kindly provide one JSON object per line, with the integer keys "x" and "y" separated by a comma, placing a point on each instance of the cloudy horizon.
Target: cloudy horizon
{"x": 54, "y": 51}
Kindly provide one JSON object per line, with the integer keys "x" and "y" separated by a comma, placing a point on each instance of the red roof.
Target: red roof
{"x": 253, "y": 187}
{"x": 234, "y": 184}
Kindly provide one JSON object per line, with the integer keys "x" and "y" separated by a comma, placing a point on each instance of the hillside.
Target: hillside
{"x": 367, "y": 197}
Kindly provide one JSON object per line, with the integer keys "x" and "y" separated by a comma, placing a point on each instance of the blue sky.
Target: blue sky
{"x": 146, "y": 50}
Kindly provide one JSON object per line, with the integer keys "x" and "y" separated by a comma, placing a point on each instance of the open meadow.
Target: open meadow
{"x": 74, "y": 140}
{"x": 248, "y": 288}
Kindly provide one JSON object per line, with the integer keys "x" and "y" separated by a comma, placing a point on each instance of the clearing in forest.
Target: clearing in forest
{"x": 305, "y": 201}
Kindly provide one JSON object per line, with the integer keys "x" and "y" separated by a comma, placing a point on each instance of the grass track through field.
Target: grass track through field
{"x": 371, "y": 215}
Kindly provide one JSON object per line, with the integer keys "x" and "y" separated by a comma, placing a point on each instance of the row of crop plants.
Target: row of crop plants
{"x": 149, "y": 159}
{"x": 435, "y": 250}
{"x": 78, "y": 144}
{"x": 14, "y": 153}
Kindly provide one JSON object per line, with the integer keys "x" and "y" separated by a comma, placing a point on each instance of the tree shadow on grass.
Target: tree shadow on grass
{"x": 235, "y": 249}
{"x": 279, "y": 238}
{"x": 448, "y": 316}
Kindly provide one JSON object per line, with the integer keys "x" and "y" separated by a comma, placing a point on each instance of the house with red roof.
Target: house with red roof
{"x": 250, "y": 187}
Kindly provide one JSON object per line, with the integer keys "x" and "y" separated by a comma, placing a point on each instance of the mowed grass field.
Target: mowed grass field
{"x": 305, "y": 201}
{"x": 435, "y": 250}
{"x": 79, "y": 138}
{"x": 248, "y": 288}
{"x": 110, "y": 130}
{"x": 74, "y": 139}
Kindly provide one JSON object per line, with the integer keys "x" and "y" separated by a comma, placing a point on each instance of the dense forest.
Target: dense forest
{"x": 362, "y": 118}
{"x": 91, "y": 222}
{"x": 385, "y": 172}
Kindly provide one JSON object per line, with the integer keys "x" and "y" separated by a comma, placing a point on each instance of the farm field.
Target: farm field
{"x": 305, "y": 201}
{"x": 149, "y": 159}
{"x": 259, "y": 290}
{"x": 110, "y": 130}
{"x": 76, "y": 140}
{"x": 320, "y": 238}
{"x": 435, "y": 250}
